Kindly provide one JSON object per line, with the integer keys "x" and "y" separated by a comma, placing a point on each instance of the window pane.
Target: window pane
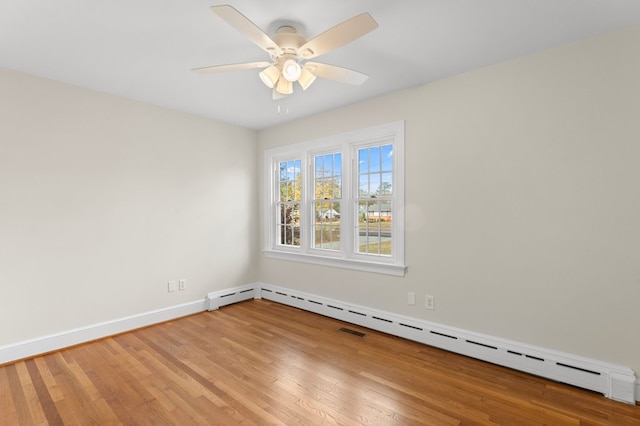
{"x": 386, "y": 187}
{"x": 328, "y": 182}
{"x": 290, "y": 180}
{"x": 377, "y": 179}
{"x": 328, "y": 165}
{"x": 283, "y": 171}
{"x": 327, "y": 225}
{"x": 363, "y": 186}
{"x": 327, "y": 237}
{"x": 387, "y": 158}
{"x": 319, "y": 189}
{"x": 337, "y": 188}
{"x": 319, "y": 166}
{"x": 363, "y": 161}
{"x": 291, "y": 170}
{"x": 327, "y": 190}
{"x": 374, "y": 159}
{"x": 289, "y": 225}
{"x": 374, "y": 228}
{"x": 327, "y": 210}
{"x": 374, "y": 184}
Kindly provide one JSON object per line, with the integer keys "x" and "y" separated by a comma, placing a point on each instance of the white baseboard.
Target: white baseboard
{"x": 614, "y": 381}
{"x": 52, "y": 342}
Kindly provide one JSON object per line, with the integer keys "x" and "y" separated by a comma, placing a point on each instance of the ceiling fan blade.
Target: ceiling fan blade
{"x": 338, "y": 36}
{"x": 230, "y": 67}
{"x": 250, "y": 30}
{"x": 332, "y": 72}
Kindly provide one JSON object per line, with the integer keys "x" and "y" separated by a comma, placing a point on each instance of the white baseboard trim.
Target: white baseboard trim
{"x": 52, "y": 342}
{"x": 614, "y": 381}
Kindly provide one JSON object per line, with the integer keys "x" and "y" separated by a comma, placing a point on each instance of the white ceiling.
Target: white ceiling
{"x": 144, "y": 49}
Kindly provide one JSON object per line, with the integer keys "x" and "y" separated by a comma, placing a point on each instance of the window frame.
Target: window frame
{"x": 279, "y": 203}
{"x": 348, "y": 144}
{"x": 310, "y": 189}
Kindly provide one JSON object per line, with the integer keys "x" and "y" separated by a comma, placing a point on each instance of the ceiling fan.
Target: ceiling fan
{"x": 290, "y": 52}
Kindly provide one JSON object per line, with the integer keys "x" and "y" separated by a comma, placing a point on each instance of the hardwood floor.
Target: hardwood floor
{"x": 261, "y": 363}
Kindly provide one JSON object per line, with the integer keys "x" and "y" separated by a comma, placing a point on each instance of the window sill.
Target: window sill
{"x": 357, "y": 265}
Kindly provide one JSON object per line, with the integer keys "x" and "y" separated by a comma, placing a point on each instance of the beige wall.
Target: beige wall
{"x": 523, "y": 202}
{"x": 103, "y": 200}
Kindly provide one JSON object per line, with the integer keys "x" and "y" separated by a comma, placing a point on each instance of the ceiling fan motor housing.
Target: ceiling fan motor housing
{"x": 289, "y": 40}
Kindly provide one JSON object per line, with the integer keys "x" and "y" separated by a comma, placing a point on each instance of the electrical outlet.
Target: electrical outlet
{"x": 429, "y": 302}
{"x": 411, "y": 299}
{"x": 172, "y": 286}
{"x": 182, "y": 285}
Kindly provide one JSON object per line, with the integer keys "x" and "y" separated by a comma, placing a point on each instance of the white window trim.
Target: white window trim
{"x": 347, "y": 143}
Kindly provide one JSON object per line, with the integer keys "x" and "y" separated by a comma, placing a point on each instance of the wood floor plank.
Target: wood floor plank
{"x": 7, "y": 405}
{"x": 21, "y": 404}
{"x": 49, "y": 410}
{"x": 32, "y": 398}
{"x": 260, "y": 362}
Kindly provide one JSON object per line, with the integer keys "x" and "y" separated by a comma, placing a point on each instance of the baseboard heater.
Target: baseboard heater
{"x": 614, "y": 381}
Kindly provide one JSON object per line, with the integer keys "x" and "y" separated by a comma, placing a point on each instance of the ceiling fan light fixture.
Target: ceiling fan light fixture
{"x": 291, "y": 70}
{"x": 276, "y": 96}
{"x": 306, "y": 78}
{"x": 270, "y": 76}
{"x": 284, "y": 86}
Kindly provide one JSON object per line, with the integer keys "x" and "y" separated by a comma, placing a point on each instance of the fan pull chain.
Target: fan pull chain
{"x": 286, "y": 109}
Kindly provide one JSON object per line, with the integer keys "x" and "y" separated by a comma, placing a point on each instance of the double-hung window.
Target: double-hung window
{"x": 338, "y": 201}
